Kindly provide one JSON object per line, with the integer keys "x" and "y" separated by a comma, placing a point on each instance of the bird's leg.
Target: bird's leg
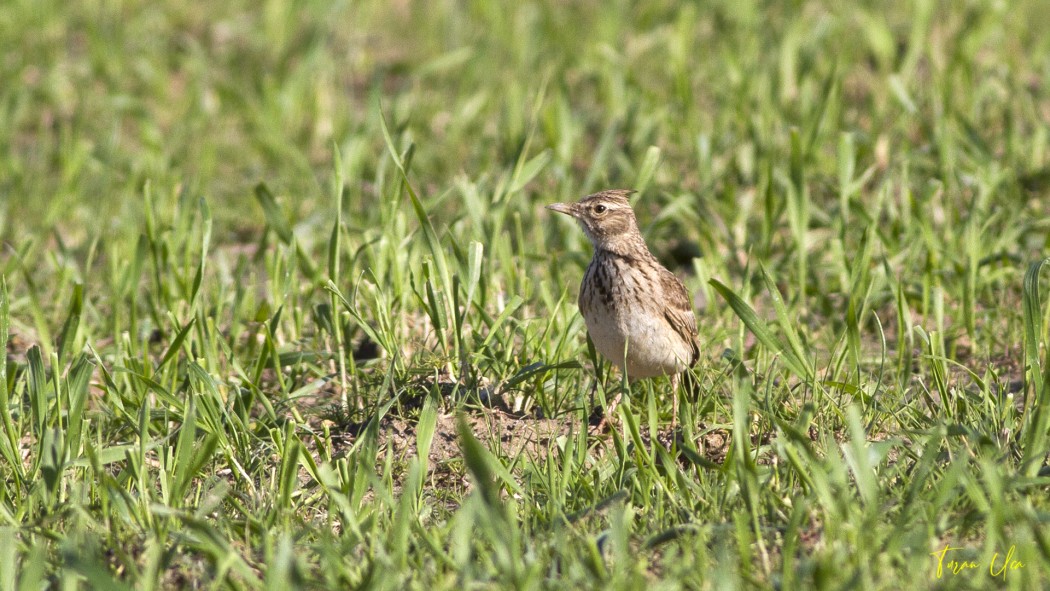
{"x": 590, "y": 402}
{"x": 674, "y": 400}
{"x": 612, "y": 405}
{"x": 607, "y": 419}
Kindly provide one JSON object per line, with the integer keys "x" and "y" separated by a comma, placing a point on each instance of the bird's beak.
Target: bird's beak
{"x": 566, "y": 208}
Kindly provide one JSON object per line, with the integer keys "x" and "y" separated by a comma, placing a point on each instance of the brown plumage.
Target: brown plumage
{"x": 639, "y": 315}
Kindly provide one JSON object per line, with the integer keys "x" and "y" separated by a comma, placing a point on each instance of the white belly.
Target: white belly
{"x": 646, "y": 344}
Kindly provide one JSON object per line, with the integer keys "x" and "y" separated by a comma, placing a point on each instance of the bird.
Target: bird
{"x": 639, "y": 315}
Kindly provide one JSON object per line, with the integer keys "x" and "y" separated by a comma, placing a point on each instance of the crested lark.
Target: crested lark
{"x": 638, "y": 314}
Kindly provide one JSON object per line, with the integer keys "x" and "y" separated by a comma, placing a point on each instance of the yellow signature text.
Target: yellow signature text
{"x": 997, "y": 568}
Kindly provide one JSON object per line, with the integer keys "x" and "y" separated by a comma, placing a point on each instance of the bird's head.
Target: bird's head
{"x": 606, "y": 218}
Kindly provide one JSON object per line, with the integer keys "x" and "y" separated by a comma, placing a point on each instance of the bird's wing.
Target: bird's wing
{"x": 679, "y": 311}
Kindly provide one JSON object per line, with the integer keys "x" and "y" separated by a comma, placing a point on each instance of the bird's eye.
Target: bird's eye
{"x": 599, "y": 208}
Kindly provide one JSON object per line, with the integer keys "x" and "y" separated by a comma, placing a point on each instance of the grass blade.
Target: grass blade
{"x": 275, "y": 218}
{"x": 437, "y": 251}
{"x": 68, "y": 334}
{"x": 529, "y": 171}
{"x": 761, "y": 330}
{"x": 787, "y": 324}
{"x": 1038, "y": 411}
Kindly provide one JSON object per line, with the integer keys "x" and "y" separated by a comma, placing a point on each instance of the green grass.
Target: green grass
{"x": 269, "y": 267}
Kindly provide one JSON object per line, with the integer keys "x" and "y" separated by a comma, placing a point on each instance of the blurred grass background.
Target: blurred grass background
{"x": 870, "y": 177}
